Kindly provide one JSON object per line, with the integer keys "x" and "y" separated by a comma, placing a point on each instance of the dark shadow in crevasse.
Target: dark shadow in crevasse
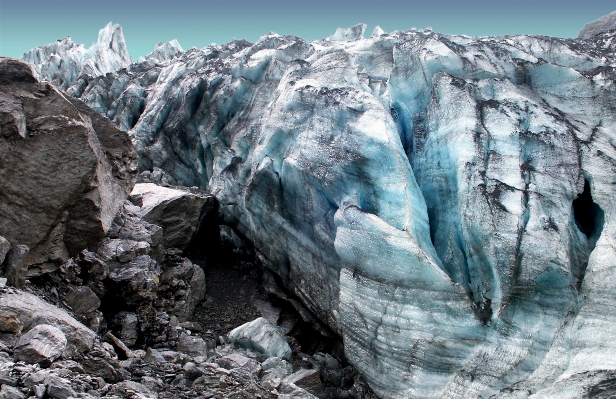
{"x": 588, "y": 215}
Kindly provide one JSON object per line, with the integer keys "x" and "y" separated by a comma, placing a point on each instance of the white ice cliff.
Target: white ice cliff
{"x": 62, "y": 62}
{"x": 444, "y": 203}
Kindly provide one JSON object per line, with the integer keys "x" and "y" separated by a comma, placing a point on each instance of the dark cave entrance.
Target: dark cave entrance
{"x": 588, "y": 215}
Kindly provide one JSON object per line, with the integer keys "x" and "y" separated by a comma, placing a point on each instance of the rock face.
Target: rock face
{"x": 64, "y": 170}
{"x": 601, "y": 25}
{"x": 178, "y": 212}
{"x": 444, "y": 203}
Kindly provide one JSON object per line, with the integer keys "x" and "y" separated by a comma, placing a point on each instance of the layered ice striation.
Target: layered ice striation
{"x": 444, "y": 203}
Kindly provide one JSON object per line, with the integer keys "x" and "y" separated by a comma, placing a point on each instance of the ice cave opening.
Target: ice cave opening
{"x": 588, "y": 215}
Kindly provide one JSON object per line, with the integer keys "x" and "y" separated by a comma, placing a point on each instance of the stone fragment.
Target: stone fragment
{"x": 42, "y": 344}
{"x": 116, "y": 251}
{"x": 192, "y": 326}
{"x": 107, "y": 369}
{"x": 7, "y": 380}
{"x": 16, "y": 266}
{"x": 9, "y": 392}
{"x": 153, "y": 356}
{"x": 9, "y": 321}
{"x": 119, "y": 346}
{"x": 178, "y": 212}
{"x": 59, "y": 388}
{"x": 292, "y": 391}
{"x": 40, "y": 390}
{"x": 303, "y": 377}
{"x": 235, "y": 360}
{"x": 175, "y": 356}
{"x": 332, "y": 376}
{"x": 132, "y": 389}
{"x": 192, "y": 372}
{"x": 197, "y": 286}
{"x": 137, "y": 282}
{"x": 271, "y": 379}
{"x": 126, "y": 326}
{"x": 128, "y": 225}
{"x": 5, "y": 246}
{"x": 83, "y": 300}
{"x": 191, "y": 345}
{"x": 36, "y": 378}
{"x": 68, "y": 365}
{"x": 262, "y": 336}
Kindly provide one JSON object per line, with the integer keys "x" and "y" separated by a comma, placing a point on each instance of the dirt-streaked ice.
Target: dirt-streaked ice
{"x": 444, "y": 203}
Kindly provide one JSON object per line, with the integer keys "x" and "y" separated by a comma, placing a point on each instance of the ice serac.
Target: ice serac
{"x": 351, "y": 34}
{"x": 163, "y": 52}
{"x": 441, "y": 202}
{"x": 62, "y": 62}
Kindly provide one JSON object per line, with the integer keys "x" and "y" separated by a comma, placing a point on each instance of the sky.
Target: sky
{"x": 25, "y": 24}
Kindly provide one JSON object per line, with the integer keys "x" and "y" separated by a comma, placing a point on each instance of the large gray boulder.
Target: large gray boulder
{"x": 601, "y": 25}
{"x": 42, "y": 344}
{"x": 178, "y": 211}
{"x": 22, "y": 311}
{"x": 64, "y": 170}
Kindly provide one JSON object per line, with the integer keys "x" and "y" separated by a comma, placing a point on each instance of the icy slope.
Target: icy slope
{"x": 444, "y": 203}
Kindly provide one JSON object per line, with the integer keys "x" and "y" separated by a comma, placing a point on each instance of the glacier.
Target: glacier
{"x": 444, "y": 203}
{"x": 62, "y": 62}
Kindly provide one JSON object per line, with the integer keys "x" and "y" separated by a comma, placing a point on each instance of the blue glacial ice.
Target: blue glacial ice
{"x": 415, "y": 190}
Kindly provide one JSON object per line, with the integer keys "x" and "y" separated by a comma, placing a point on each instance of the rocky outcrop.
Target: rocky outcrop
{"x": 130, "y": 283}
{"x": 64, "y": 170}
{"x": 601, "y": 25}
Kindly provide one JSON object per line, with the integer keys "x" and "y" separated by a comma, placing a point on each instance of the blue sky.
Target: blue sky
{"x": 28, "y": 23}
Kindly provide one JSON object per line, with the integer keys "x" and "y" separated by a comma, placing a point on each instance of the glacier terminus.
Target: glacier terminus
{"x": 444, "y": 203}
